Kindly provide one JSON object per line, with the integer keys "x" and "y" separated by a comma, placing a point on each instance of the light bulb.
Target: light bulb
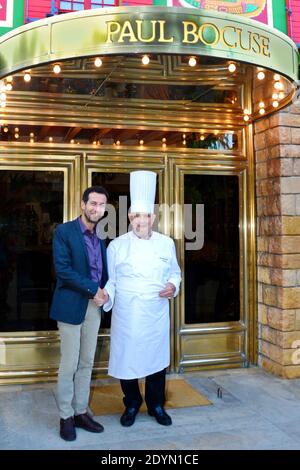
{"x": 57, "y": 69}
{"x": 27, "y": 77}
{"x": 261, "y": 75}
{"x": 192, "y": 61}
{"x": 232, "y": 68}
{"x": 98, "y": 62}
{"x": 278, "y": 85}
{"x": 145, "y": 60}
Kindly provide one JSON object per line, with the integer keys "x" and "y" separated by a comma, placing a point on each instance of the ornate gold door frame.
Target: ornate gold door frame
{"x": 34, "y": 355}
{"x": 223, "y": 343}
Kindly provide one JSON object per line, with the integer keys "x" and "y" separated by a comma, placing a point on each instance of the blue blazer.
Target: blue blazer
{"x": 74, "y": 285}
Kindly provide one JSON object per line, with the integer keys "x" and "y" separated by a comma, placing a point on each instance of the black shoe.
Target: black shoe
{"x": 67, "y": 429}
{"x": 84, "y": 421}
{"x": 128, "y": 417}
{"x": 160, "y": 415}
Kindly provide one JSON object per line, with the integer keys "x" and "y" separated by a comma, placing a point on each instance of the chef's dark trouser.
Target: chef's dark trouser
{"x": 154, "y": 391}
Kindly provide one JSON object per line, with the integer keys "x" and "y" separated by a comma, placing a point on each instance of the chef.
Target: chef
{"x": 143, "y": 276}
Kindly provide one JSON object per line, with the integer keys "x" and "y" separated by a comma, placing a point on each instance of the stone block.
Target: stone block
{"x": 263, "y": 314}
{"x": 291, "y": 225}
{"x": 277, "y": 354}
{"x": 295, "y": 136}
{"x": 281, "y": 319}
{"x": 286, "y": 372}
{"x": 288, "y": 204}
{"x": 287, "y": 297}
{"x": 261, "y": 170}
{"x": 260, "y": 141}
{"x": 290, "y": 184}
{"x": 261, "y": 125}
{"x": 285, "y": 244}
{"x": 297, "y": 204}
{"x": 261, "y": 155}
{"x": 283, "y": 277}
{"x": 264, "y": 275}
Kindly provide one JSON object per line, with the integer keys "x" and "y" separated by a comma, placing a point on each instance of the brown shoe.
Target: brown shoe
{"x": 67, "y": 429}
{"x": 84, "y": 421}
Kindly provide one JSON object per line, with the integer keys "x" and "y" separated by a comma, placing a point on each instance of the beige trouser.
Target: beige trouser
{"x": 77, "y": 346}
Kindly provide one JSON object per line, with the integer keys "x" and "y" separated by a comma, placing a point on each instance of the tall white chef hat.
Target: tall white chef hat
{"x": 142, "y": 191}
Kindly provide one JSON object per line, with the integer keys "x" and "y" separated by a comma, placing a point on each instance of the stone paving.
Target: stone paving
{"x": 257, "y": 411}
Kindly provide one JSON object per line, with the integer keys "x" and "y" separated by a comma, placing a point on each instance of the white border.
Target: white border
{"x": 8, "y": 23}
{"x": 270, "y": 13}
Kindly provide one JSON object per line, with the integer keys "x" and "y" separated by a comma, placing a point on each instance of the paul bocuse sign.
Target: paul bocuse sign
{"x": 209, "y": 34}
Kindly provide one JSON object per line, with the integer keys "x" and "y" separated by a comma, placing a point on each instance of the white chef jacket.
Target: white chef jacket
{"x": 138, "y": 270}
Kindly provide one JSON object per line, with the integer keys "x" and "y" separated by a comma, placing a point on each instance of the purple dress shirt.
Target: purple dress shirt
{"x": 92, "y": 244}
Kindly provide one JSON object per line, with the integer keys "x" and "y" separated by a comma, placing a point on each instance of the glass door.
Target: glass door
{"x": 36, "y": 194}
{"x": 212, "y": 314}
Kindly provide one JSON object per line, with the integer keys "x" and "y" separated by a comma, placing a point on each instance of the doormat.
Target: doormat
{"x": 108, "y": 399}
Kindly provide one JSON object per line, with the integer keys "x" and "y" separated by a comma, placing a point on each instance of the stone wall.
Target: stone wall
{"x": 277, "y": 149}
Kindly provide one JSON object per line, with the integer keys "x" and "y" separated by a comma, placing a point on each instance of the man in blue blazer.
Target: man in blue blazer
{"x": 81, "y": 270}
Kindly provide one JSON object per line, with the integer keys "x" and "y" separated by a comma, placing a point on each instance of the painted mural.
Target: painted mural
{"x": 6, "y": 13}
{"x": 240, "y": 7}
{"x": 260, "y": 10}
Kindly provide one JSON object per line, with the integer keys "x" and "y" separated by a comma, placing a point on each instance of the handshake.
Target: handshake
{"x": 101, "y": 297}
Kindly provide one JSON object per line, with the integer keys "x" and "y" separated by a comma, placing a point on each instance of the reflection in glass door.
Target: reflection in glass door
{"x": 212, "y": 279}
{"x": 31, "y": 205}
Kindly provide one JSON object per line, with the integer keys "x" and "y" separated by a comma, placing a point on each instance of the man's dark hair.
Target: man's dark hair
{"x": 93, "y": 189}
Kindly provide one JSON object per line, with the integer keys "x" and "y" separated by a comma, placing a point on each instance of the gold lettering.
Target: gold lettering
{"x": 127, "y": 32}
{"x": 187, "y": 32}
{"x": 265, "y": 43}
{"x": 223, "y": 31}
{"x": 240, "y": 39}
{"x": 140, "y": 32}
{"x": 162, "y": 37}
{"x": 201, "y": 33}
{"x": 255, "y": 42}
{"x": 113, "y": 27}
